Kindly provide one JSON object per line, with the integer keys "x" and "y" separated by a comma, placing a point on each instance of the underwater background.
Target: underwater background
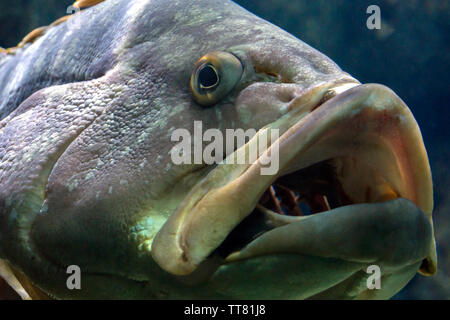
{"x": 410, "y": 54}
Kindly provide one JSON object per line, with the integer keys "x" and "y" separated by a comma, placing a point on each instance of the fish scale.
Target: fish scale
{"x": 89, "y": 106}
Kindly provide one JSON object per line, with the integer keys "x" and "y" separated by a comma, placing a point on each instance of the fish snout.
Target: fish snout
{"x": 340, "y": 146}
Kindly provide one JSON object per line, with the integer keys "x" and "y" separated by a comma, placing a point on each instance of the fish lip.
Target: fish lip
{"x": 263, "y": 245}
{"x": 182, "y": 243}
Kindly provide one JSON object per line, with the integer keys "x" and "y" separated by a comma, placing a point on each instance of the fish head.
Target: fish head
{"x": 91, "y": 178}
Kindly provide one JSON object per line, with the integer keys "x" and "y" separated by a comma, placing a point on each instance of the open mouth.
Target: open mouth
{"x": 356, "y": 150}
{"x": 309, "y": 191}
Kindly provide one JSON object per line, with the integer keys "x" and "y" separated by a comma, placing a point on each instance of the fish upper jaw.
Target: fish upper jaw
{"x": 364, "y": 132}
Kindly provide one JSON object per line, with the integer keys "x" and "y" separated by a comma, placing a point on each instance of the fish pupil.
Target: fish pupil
{"x": 208, "y": 77}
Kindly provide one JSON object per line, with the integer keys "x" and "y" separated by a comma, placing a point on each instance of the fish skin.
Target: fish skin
{"x": 70, "y": 53}
{"x": 86, "y": 111}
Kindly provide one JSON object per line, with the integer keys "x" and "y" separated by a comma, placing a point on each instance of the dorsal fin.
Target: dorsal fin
{"x": 32, "y": 36}
{"x": 38, "y": 32}
{"x": 59, "y": 21}
{"x": 86, "y": 3}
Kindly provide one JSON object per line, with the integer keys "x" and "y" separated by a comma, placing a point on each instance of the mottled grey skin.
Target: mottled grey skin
{"x": 85, "y": 173}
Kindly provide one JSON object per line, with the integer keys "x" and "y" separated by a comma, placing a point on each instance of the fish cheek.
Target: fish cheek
{"x": 262, "y": 103}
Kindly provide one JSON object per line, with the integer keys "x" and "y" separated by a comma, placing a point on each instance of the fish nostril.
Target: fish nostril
{"x": 287, "y": 97}
{"x": 273, "y": 74}
{"x": 328, "y": 95}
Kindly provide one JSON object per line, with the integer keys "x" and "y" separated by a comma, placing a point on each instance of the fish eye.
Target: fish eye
{"x": 215, "y": 75}
{"x": 208, "y": 77}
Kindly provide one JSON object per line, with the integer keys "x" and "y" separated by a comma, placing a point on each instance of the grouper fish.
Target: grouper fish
{"x": 89, "y": 188}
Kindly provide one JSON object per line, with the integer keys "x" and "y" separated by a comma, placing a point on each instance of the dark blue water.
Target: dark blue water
{"x": 410, "y": 54}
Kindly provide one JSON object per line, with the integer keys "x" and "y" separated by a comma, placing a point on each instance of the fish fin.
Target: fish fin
{"x": 86, "y": 3}
{"x": 3, "y": 53}
{"x": 10, "y": 287}
{"x": 33, "y": 292}
{"x": 60, "y": 20}
{"x": 32, "y": 36}
{"x": 6, "y": 292}
{"x": 38, "y": 32}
